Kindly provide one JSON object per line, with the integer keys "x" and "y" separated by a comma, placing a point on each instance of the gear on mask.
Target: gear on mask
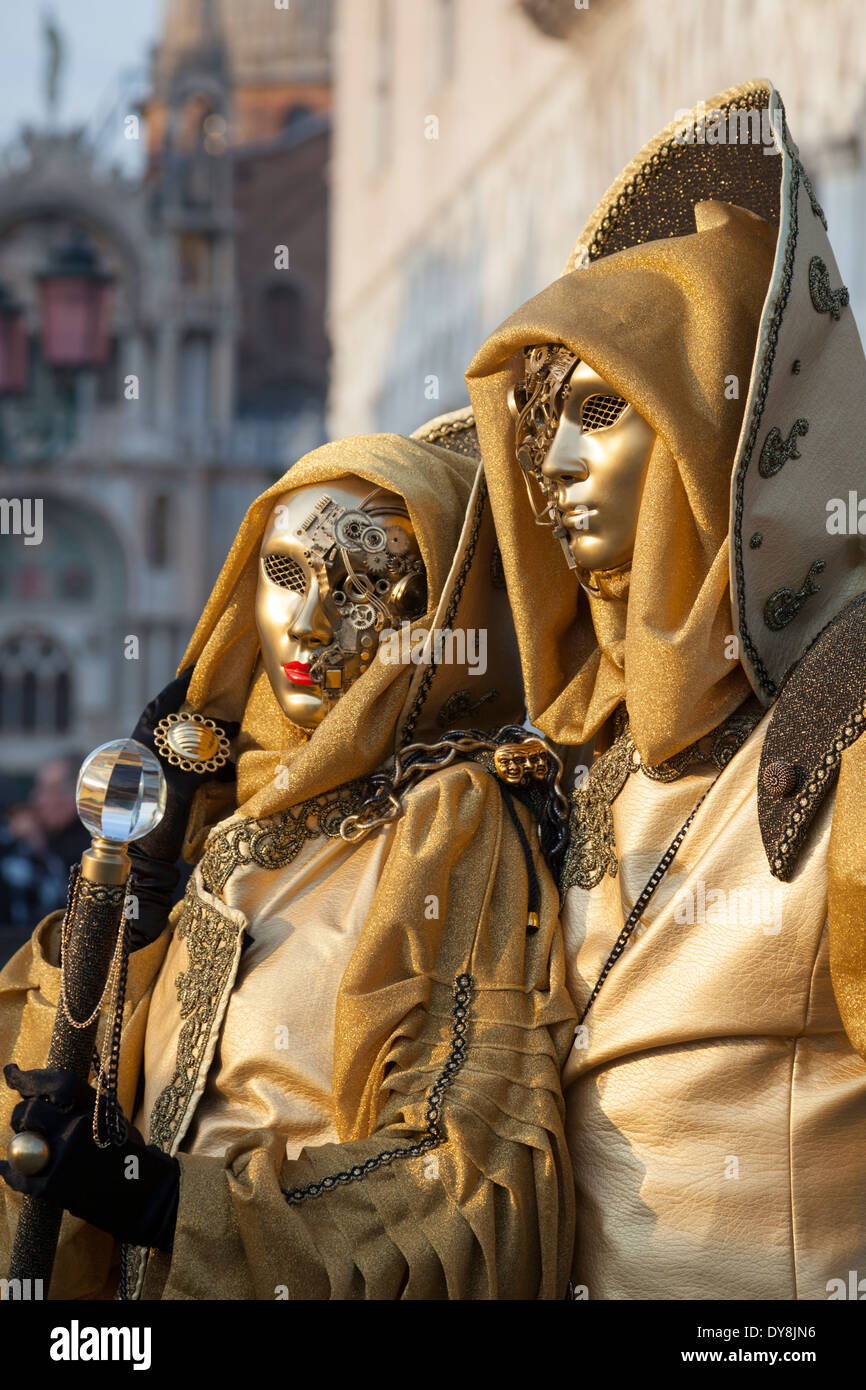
{"x": 370, "y": 575}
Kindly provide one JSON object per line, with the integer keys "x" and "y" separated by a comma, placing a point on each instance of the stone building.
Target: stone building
{"x": 474, "y": 137}
{"x": 209, "y": 381}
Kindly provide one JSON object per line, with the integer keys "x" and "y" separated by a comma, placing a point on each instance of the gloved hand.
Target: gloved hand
{"x": 130, "y": 1190}
{"x": 154, "y": 858}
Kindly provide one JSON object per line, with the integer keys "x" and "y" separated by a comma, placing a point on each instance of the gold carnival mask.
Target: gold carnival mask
{"x": 584, "y": 451}
{"x": 338, "y": 564}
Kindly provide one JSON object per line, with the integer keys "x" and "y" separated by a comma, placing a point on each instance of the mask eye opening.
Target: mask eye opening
{"x": 599, "y": 412}
{"x": 285, "y": 571}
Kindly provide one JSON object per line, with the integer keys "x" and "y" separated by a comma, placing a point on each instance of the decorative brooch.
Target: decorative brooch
{"x": 191, "y": 742}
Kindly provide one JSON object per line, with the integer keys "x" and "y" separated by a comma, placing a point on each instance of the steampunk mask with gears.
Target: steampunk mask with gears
{"x": 338, "y": 564}
{"x": 584, "y": 451}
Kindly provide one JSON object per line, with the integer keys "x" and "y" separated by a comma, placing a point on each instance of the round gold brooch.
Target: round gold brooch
{"x": 191, "y": 742}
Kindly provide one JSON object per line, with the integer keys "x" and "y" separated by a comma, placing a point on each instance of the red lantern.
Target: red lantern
{"x": 76, "y": 307}
{"x": 13, "y": 346}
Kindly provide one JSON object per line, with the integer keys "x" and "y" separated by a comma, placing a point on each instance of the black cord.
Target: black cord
{"x": 534, "y": 893}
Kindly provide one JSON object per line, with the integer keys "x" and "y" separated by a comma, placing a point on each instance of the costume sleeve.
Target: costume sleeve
{"x": 846, "y": 894}
{"x": 453, "y": 1179}
{"x": 29, "y": 995}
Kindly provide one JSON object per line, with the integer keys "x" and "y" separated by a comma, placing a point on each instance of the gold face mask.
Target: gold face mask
{"x": 584, "y": 452}
{"x": 338, "y": 564}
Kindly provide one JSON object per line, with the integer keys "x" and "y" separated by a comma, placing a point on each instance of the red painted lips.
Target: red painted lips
{"x": 298, "y": 672}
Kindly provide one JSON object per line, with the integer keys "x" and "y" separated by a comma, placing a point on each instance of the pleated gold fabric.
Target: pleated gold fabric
{"x": 669, "y": 324}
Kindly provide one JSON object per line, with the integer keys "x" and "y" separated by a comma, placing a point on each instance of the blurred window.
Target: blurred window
{"x": 157, "y": 531}
{"x": 195, "y": 385}
{"x": 194, "y": 254}
{"x": 284, "y": 312}
{"x": 35, "y": 685}
{"x": 60, "y": 570}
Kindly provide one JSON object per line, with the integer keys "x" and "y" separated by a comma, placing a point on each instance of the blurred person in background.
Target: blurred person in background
{"x": 53, "y": 803}
{"x": 32, "y": 879}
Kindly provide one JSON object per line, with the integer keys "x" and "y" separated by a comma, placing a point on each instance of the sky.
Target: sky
{"x": 106, "y": 44}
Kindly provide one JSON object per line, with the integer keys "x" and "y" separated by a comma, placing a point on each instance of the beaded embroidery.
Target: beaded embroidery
{"x": 591, "y": 849}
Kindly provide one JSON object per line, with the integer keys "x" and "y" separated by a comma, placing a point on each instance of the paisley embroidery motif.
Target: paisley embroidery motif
{"x": 777, "y": 450}
{"x": 460, "y": 705}
{"x": 783, "y": 606}
{"x": 825, "y": 299}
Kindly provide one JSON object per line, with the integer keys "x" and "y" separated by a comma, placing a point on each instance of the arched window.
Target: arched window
{"x": 35, "y": 685}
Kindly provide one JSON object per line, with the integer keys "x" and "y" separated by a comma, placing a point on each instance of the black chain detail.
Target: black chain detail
{"x": 642, "y": 902}
{"x": 434, "y": 1135}
{"x": 116, "y": 1126}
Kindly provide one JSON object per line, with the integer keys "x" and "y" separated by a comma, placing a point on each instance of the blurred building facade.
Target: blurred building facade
{"x": 204, "y": 373}
{"x": 473, "y": 138}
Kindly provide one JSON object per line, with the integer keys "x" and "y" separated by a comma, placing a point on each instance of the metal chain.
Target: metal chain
{"x": 415, "y": 759}
{"x": 382, "y": 806}
{"x": 66, "y": 932}
{"x": 116, "y": 1126}
{"x": 637, "y": 911}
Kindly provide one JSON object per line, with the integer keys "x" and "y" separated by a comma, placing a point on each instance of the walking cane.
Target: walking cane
{"x": 121, "y": 796}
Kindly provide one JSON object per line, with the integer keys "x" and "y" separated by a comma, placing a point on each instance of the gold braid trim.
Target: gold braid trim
{"x": 275, "y": 842}
{"x": 591, "y": 849}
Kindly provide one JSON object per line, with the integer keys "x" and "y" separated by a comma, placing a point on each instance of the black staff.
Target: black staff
{"x": 121, "y": 797}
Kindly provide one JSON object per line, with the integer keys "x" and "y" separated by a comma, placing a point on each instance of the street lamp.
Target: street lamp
{"x": 13, "y": 346}
{"x": 75, "y": 295}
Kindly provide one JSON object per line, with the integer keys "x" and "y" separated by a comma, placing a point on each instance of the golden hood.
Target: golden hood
{"x": 707, "y": 294}
{"x": 278, "y": 764}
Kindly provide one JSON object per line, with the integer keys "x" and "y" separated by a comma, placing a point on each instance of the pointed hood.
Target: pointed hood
{"x": 708, "y": 296}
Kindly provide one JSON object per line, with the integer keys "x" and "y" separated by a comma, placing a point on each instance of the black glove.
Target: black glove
{"x": 154, "y": 858}
{"x": 130, "y": 1190}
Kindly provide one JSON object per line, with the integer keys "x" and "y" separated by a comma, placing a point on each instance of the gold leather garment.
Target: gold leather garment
{"x": 717, "y": 1113}
{"x": 714, "y": 1101}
